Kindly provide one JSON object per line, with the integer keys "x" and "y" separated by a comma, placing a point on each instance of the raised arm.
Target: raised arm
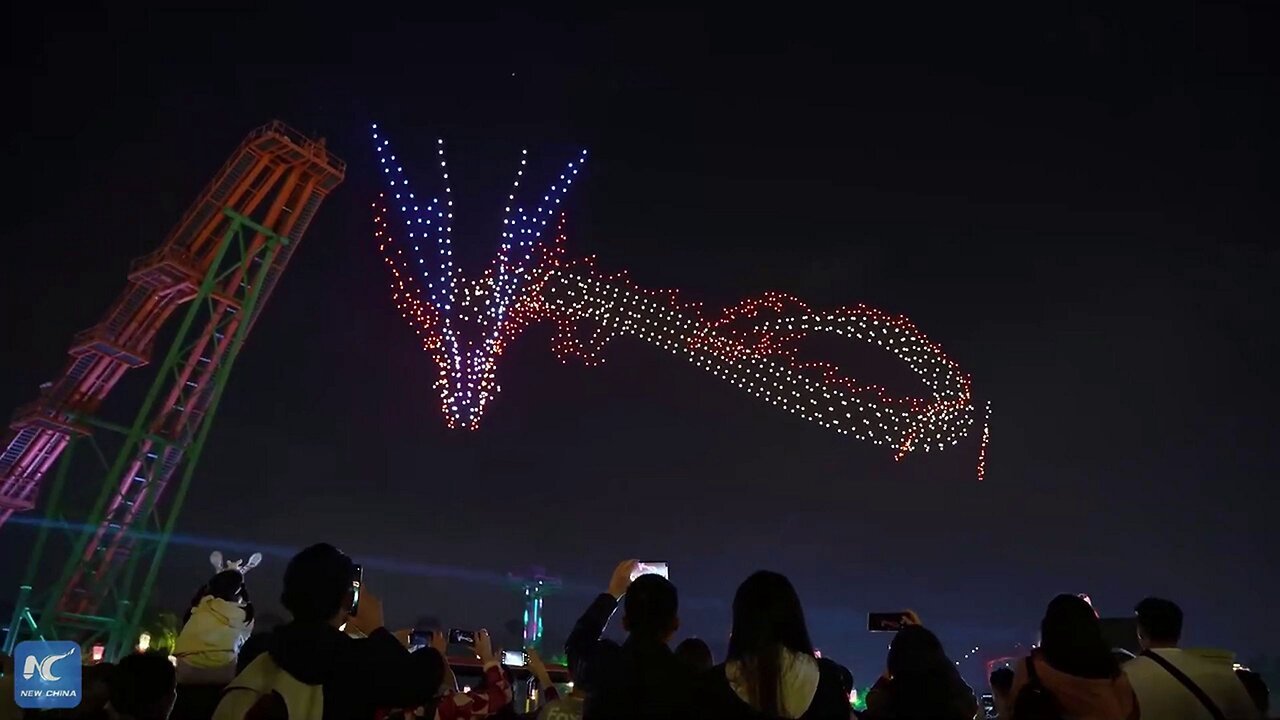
{"x": 440, "y": 643}
{"x": 546, "y": 689}
{"x": 386, "y": 671}
{"x": 586, "y": 632}
{"x": 495, "y": 695}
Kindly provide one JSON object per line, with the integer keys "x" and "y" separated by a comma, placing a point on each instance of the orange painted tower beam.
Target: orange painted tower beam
{"x": 277, "y": 177}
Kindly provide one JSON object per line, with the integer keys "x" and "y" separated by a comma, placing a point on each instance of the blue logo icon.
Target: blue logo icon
{"x": 46, "y": 674}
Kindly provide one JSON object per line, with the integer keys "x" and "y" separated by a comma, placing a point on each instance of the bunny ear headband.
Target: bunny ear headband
{"x": 254, "y": 559}
{"x": 215, "y": 558}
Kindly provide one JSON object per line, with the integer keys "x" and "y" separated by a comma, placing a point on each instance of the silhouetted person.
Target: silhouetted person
{"x": 143, "y": 687}
{"x": 1163, "y": 675}
{"x": 1073, "y": 670}
{"x": 641, "y": 678}
{"x": 355, "y": 676}
{"x": 920, "y": 682}
{"x": 770, "y": 670}
{"x": 843, "y": 673}
{"x": 218, "y": 622}
{"x": 1001, "y": 692}
{"x": 695, "y": 653}
{"x": 95, "y": 684}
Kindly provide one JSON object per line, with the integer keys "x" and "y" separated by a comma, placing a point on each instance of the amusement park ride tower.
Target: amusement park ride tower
{"x": 221, "y": 261}
{"x": 534, "y": 587}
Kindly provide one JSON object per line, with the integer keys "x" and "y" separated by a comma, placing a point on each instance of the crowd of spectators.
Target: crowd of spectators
{"x": 335, "y": 660}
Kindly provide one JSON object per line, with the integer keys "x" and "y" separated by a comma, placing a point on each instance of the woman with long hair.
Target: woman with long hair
{"x": 1073, "y": 670}
{"x": 771, "y": 670}
{"x": 920, "y": 682}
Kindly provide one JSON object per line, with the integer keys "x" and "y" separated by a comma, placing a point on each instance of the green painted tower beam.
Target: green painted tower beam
{"x": 161, "y": 443}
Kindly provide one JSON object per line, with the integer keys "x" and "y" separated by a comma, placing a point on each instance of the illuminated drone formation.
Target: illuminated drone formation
{"x": 466, "y": 324}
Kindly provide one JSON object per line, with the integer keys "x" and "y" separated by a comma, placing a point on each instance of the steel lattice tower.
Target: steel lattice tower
{"x": 534, "y": 588}
{"x": 221, "y": 261}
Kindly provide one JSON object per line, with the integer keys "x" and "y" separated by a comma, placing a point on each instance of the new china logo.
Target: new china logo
{"x": 49, "y": 675}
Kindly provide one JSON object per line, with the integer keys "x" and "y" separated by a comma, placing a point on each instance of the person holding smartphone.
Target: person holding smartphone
{"x": 919, "y": 679}
{"x": 641, "y": 678}
{"x": 326, "y": 594}
{"x": 482, "y": 702}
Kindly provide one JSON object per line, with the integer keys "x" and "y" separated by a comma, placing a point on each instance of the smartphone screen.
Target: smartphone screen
{"x": 356, "y": 581}
{"x": 514, "y": 658}
{"x": 419, "y": 638}
{"x": 886, "y": 621}
{"x": 462, "y": 637}
{"x": 650, "y": 568}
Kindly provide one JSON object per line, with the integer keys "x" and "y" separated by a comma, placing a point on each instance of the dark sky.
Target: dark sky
{"x": 1078, "y": 206}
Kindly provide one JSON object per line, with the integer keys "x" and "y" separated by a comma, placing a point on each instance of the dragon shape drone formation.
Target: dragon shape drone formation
{"x": 466, "y": 324}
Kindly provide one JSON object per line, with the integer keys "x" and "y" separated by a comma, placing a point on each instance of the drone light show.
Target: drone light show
{"x": 465, "y": 324}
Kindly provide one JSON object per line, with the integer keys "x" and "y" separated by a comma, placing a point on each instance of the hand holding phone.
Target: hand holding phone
{"x": 440, "y": 642}
{"x": 484, "y": 647}
{"x": 538, "y": 668}
{"x": 534, "y": 661}
{"x": 622, "y": 576}
{"x": 369, "y": 617}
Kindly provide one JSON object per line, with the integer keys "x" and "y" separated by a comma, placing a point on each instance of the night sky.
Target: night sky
{"x": 1078, "y": 206}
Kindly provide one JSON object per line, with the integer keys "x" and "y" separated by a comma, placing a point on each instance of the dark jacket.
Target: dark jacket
{"x": 359, "y": 676}
{"x": 715, "y": 698}
{"x": 940, "y": 696}
{"x": 640, "y": 679}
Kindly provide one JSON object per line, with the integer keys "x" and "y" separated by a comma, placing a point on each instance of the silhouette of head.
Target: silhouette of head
{"x": 1001, "y": 686}
{"x": 95, "y": 683}
{"x": 1001, "y": 682}
{"x": 915, "y": 650}
{"x": 767, "y": 618}
{"x": 695, "y": 653}
{"x": 767, "y": 615}
{"x": 925, "y": 683}
{"x": 650, "y": 608}
{"x": 845, "y": 675}
{"x": 1071, "y": 639}
{"x": 227, "y": 585}
{"x": 317, "y": 584}
{"x": 144, "y": 686}
{"x": 1159, "y": 623}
